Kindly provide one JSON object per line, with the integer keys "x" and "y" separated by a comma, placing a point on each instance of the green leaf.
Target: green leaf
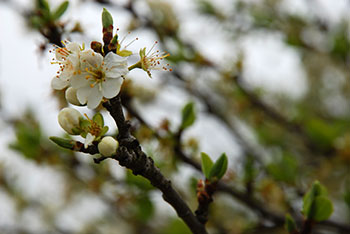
{"x": 98, "y": 118}
{"x": 175, "y": 226}
{"x": 322, "y": 209}
{"x": 309, "y": 207}
{"x": 107, "y": 19}
{"x": 290, "y": 224}
{"x": 65, "y": 143}
{"x": 145, "y": 208}
{"x": 284, "y": 169}
{"x": 60, "y": 10}
{"x": 347, "y": 198}
{"x": 207, "y": 164}
{"x": 138, "y": 181}
{"x": 188, "y": 115}
{"x": 124, "y": 53}
{"x": 43, "y": 5}
{"x": 219, "y": 168}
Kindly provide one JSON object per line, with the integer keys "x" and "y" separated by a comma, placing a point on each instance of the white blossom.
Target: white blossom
{"x": 99, "y": 77}
{"x": 152, "y": 60}
{"x": 68, "y": 58}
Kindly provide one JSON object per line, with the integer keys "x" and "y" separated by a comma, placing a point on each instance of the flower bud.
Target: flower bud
{"x": 68, "y": 118}
{"x": 108, "y": 146}
{"x": 71, "y": 96}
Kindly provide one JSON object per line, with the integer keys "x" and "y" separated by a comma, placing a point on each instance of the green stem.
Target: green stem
{"x": 136, "y": 65}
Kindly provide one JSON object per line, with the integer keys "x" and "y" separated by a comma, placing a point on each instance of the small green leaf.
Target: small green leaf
{"x": 60, "y": 10}
{"x": 322, "y": 209}
{"x": 207, "y": 164}
{"x": 347, "y": 198}
{"x": 219, "y": 168}
{"x": 98, "y": 118}
{"x": 65, "y": 143}
{"x": 188, "y": 115}
{"x": 107, "y": 19}
{"x": 124, "y": 53}
{"x": 290, "y": 224}
{"x": 316, "y": 190}
{"x": 43, "y": 4}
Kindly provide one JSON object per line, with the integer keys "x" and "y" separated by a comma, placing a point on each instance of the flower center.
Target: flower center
{"x": 97, "y": 75}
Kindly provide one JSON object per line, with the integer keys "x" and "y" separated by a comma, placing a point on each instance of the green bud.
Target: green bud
{"x": 107, "y": 19}
{"x": 290, "y": 224}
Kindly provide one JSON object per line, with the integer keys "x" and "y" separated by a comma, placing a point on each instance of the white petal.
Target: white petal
{"x": 94, "y": 97}
{"x": 89, "y": 59}
{"x": 115, "y": 65}
{"x": 79, "y": 81}
{"x": 73, "y": 47}
{"x": 116, "y": 72}
{"x": 112, "y": 58}
{"x": 83, "y": 94}
{"x": 88, "y": 140}
{"x": 58, "y": 83}
{"x": 111, "y": 87}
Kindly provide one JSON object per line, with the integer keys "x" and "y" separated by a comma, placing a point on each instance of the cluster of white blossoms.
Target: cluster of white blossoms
{"x": 90, "y": 75}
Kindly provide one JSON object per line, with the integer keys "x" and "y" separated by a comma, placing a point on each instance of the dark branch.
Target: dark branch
{"x": 131, "y": 156}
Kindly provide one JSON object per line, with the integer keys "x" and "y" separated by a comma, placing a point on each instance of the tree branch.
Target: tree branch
{"x": 131, "y": 156}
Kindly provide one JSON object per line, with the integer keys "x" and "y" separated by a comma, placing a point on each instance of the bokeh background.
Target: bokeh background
{"x": 270, "y": 80}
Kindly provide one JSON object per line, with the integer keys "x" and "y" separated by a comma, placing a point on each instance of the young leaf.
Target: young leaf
{"x": 188, "y": 115}
{"x": 65, "y": 143}
{"x": 60, "y": 10}
{"x": 107, "y": 19}
{"x": 322, "y": 209}
{"x": 43, "y": 5}
{"x": 316, "y": 190}
{"x": 290, "y": 224}
{"x": 207, "y": 164}
{"x": 219, "y": 168}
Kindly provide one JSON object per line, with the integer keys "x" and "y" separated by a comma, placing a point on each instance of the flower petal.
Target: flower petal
{"x": 115, "y": 65}
{"x": 83, "y": 94}
{"x": 111, "y": 87}
{"x": 94, "y": 97}
{"x": 59, "y": 83}
{"x": 90, "y": 59}
{"x": 73, "y": 47}
{"x": 79, "y": 81}
{"x": 88, "y": 140}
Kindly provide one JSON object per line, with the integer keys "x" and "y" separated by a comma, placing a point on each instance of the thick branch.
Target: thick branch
{"x": 130, "y": 155}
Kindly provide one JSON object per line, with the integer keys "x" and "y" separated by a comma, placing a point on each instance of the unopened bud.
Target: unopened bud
{"x": 71, "y": 96}
{"x": 96, "y": 46}
{"x": 107, "y": 19}
{"x": 68, "y": 118}
{"x": 108, "y": 146}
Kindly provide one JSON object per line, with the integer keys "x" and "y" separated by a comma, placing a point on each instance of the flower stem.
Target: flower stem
{"x": 136, "y": 65}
